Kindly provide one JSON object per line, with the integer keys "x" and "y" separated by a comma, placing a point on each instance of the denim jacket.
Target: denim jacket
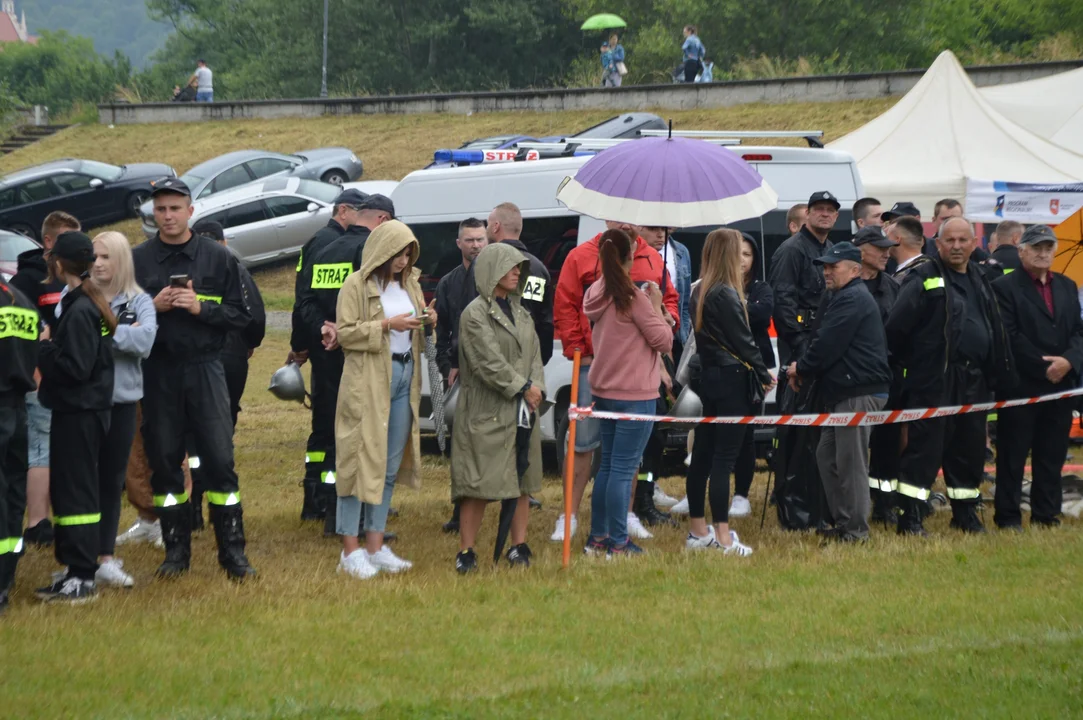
{"x": 683, "y": 260}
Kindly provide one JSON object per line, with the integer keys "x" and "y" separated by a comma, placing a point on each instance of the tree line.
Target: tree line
{"x": 272, "y": 49}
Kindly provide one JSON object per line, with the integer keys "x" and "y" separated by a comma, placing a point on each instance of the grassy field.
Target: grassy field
{"x": 950, "y": 627}
{"x": 390, "y": 146}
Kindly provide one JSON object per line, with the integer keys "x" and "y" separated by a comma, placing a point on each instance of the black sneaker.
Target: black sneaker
{"x": 451, "y": 526}
{"x": 3, "y": 601}
{"x": 965, "y": 518}
{"x": 628, "y": 549}
{"x": 535, "y": 504}
{"x": 40, "y": 535}
{"x": 847, "y": 538}
{"x": 519, "y": 555}
{"x": 69, "y": 590}
{"x": 828, "y": 533}
{"x": 466, "y": 562}
{"x": 1013, "y": 528}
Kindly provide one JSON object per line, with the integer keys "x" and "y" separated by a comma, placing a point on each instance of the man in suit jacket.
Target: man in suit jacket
{"x": 1041, "y": 314}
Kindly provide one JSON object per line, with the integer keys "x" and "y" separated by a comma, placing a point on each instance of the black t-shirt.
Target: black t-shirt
{"x": 505, "y": 305}
{"x": 974, "y": 340}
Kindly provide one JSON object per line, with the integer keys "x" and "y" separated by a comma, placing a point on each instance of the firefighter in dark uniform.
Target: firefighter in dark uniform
{"x": 1041, "y": 315}
{"x": 946, "y": 332}
{"x": 320, "y": 285}
{"x": 321, "y": 440}
{"x": 197, "y": 292}
{"x": 885, "y": 441}
{"x": 797, "y": 284}
{"x": 19, "y": 324}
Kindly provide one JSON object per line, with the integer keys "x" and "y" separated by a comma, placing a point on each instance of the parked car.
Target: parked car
{"x": 273, "y": 219}
{"x": 95, "y": 192}
{"x": 333, "y": 165}
{"x": 12, "y": 245}
{"x": 623, "y": 126}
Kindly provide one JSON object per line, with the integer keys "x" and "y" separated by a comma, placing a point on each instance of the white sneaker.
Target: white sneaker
{"x": 661, "y": 499}
{"x": 558, "y": 533}
{"x": 680, "y": 508}
{"x": 357, "y": 565}
{"x": 384, "y": 559}
{"x": 141, "y": 531}
{"x": 695, "y": 542}
{"x": 688, "y": 460}
{"x": 738, "y": 548}
{"x": 740, "y": 507}
{"x": 111, "y": 573}
{"x": 636, "y": 529}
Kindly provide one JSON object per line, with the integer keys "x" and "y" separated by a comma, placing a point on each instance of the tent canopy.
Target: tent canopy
{"x": 1050, "y": 107}
{"x": 943, "y": 132}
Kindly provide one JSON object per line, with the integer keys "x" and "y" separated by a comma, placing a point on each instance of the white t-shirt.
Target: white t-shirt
{"x": 396, "y": 301}
{"x": 203, "y": 79}
{"x": 671, "y": 262}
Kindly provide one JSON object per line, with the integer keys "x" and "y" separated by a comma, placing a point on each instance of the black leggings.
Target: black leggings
{"x": 745, "y": 467}
{"x": 691, "y": 69}
{"x": 716, "y": 447}
{"x": 112, "y": 468}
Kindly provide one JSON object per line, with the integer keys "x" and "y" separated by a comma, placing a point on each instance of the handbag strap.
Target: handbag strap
{"x": 729, "y": 352}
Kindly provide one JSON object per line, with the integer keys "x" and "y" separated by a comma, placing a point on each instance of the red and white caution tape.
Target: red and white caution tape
{"x": 882, "y": 417}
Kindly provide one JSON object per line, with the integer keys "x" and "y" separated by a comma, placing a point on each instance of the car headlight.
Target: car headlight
{"x": 353, "y": 158}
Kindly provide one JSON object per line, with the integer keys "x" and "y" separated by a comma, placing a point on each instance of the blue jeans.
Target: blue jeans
{"x": 623, "y": 442}
{"x": 399, "y": 421}
{"x": 205, "y": 96}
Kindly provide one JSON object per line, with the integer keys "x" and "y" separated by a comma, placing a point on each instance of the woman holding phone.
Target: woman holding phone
{"x": 381, "y": 315}
{"x": 137, "y": 324}
{"x": 77, "y": 385}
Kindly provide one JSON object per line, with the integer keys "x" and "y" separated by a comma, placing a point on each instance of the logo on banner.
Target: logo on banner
{"x": 1000, "y": 206}
{"x": 1054, "y": 206}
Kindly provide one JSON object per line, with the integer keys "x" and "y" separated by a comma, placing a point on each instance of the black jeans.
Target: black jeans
{"x": 74, "y": 488}
{"x": 691, "y": 69}
{"x": 13, "y": 465}
{"x": 236, "y": 369}
{"x": 745, "y": 468}
{"x": 112, "y": 471}
{"x": 715, "y": 448}
{"x": 1042, "y": 430}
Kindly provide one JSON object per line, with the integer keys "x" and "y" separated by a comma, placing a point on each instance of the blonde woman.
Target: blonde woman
{"x": 381, "y": 319}
{"x": 137, "y": 324}
{"x": 727, "y": 353}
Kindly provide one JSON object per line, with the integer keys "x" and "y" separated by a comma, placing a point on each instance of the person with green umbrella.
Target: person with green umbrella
{"x": 612, "y": 62}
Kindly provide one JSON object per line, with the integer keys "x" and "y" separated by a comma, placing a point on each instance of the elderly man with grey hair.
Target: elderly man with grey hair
{"x": 848, "y": 359}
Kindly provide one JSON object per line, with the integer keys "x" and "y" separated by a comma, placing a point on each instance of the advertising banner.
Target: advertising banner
{"x": 995, "y": 201}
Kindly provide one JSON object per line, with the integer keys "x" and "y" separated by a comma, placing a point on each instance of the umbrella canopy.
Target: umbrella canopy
{"x": 603, "y": 21}
{"x": 1069, "y": 259}
{"x": 668, "y": 182}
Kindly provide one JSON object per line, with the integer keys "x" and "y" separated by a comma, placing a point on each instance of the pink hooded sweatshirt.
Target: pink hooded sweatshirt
{"x": 626, "y": 363}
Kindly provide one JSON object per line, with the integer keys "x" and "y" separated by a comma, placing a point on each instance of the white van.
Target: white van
{"x": 433, "y": 202}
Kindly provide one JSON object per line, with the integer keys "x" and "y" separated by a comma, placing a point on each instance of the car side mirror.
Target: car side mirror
{"x": 96, "y": 183}
{"x": 313, "y": 207}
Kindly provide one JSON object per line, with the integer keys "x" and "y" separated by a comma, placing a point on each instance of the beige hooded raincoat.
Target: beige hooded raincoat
{"x": 364, "y": 397}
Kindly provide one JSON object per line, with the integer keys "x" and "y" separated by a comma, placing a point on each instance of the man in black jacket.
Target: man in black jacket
{"x": 946, "y": 331}
{"x": 454, "y": 293}
{"x": 1008, "y": 235}
{"x": 320, "y": 284}
{"x": 885, "y": 442}
{"x": 1041, "y": 315}
{"x": 321, "y": 440}
{"x": 197, "y": 292}
{"x": 798, "y": 285}
{"x": 848, "y": 356}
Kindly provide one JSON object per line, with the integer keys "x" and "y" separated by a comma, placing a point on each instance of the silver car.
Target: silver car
{"x": 333, "y": 165}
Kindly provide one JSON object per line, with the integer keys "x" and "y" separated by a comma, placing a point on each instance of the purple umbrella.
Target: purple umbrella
{"x": 668, "y": 182}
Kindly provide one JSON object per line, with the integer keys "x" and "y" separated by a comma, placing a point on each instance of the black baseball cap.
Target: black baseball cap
{"x": 839, "y": 252}
{"x": 75, "y": 246}
{"x": 211, "y": 229}
{"x": 171, "y": 185}
{"x": 351, "y": 197}
{"x": 899, "y": 209}
{"x": 824, "y": 196}
{"x": 1037, "y": 234}
{"x": 874, "y": 236}
{"x": 378, "y": 202}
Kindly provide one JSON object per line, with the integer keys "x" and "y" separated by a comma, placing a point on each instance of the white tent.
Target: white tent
{"x": 943, "y": 133}
{"x": 1050, "y": 107}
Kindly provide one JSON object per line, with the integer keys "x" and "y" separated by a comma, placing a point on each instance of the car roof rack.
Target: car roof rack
{"x": 812, "y": 137}
{"x": 594, "y": 145}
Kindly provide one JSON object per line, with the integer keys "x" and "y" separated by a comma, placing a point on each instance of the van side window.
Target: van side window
{"x": 551, "y": 239}
{"x": 439, "y": 253}
{"x": 693, "y": 238}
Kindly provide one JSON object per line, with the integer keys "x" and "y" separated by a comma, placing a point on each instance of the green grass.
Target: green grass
{"x": 950, "y": 627}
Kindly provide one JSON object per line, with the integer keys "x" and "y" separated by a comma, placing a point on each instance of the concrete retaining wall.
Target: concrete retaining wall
{"x": 825, "y": 88}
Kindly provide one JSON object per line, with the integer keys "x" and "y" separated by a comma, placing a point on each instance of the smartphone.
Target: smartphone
{"x": 178, "y": 281}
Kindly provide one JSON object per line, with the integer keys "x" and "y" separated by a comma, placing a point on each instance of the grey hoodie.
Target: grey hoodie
{"x": 131, "y": 346}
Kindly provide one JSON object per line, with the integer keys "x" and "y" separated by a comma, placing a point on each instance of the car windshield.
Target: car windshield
{"x": 191, "y": 181}
{"x": 319, "y": 190}
{"x": 12, "y": 245}
{"x": 105, "y": 171}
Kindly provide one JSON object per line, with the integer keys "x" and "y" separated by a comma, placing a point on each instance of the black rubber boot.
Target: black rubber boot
{"x": 964, "y": 517}
{"x": 645, "y": 509}
{"x": 326, "y": 501}
{"x": 229, "y": 532}
{"x": 311, "y": 507}
{"x": 883, "y": 507}
{"x": 330, "y": 518}
{"x": 452, "y": 525}
{"x": 910, "y": 517}
{"x": 177, "y": 536}
{"x": 196, "y": 503}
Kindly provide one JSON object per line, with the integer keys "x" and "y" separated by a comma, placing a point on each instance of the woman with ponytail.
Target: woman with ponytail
{"x": 630, "y": 332}
{"x": 77, "y": 385}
